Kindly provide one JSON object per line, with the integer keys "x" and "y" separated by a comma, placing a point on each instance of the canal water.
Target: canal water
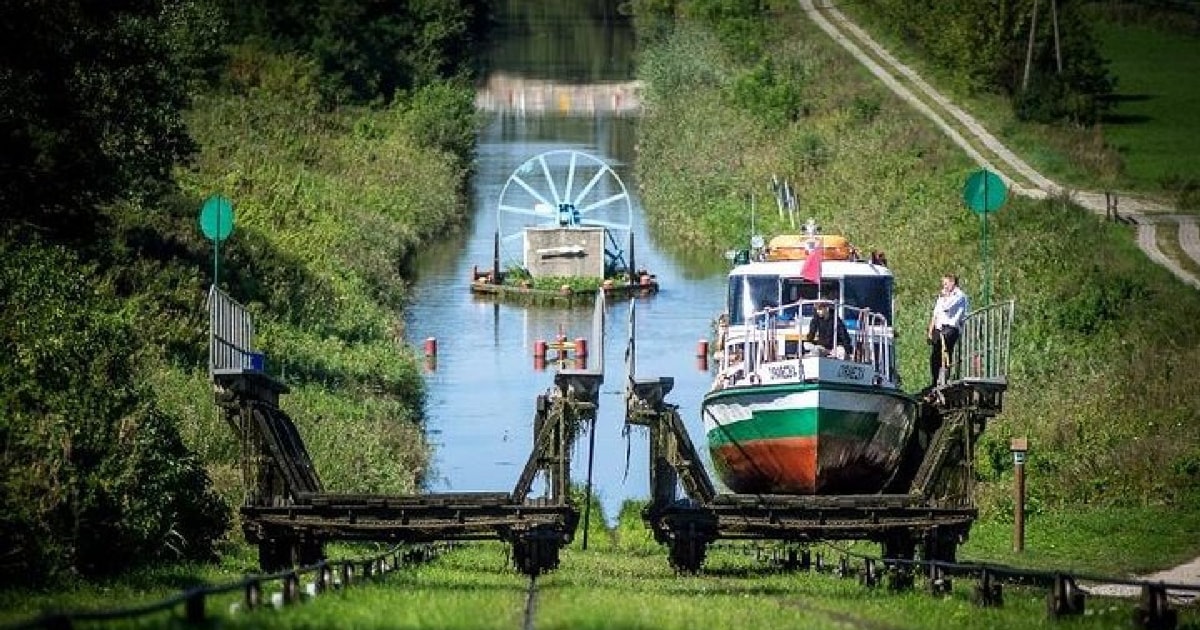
{"x": 481, "y": 396}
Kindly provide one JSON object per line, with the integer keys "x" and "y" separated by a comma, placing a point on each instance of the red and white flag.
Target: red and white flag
{"x": 812, "y": 265}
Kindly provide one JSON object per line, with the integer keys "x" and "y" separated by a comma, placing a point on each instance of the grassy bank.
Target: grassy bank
{"x": 1102, "y": 335}
{"x": 330, "y": 206}
{"x": 344, "y": 140}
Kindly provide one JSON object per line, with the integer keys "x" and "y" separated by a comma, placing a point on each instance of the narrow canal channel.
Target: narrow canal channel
{"x": 480, "y": 401}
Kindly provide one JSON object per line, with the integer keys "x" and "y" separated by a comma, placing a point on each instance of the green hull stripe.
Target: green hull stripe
{"x": 796, "y": 423}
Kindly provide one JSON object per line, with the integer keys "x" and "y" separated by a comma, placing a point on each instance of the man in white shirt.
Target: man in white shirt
{"x": 944, "y": 328}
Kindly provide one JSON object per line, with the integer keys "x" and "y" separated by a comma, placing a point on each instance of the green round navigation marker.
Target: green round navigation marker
{"x": 216, "y": 218}
{"x": 984, "y": 192}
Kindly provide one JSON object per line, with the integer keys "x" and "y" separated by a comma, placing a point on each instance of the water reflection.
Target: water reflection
{"x": 580, "y": 41}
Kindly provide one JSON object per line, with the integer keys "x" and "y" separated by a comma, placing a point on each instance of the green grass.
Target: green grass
{"x": 1074, "y": 157}
{"x": 1111, "y": 542}
{"x": 1146, "y": 144}
{"x": 624, "y": 581}
{"x": 473, "y": 586}
{"x": 1154, "y": 124}
{"x": 330, "y": 207}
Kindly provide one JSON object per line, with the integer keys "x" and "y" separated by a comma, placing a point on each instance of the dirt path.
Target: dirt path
{"x": 987, "y": 151}
{"x": 1186, "y": 574}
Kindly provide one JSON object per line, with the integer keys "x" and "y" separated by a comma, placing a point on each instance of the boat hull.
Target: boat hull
{"x": 807, "y": 438}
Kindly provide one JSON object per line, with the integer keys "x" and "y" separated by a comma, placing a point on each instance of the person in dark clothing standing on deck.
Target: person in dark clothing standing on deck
{"x": 945, "y": 328}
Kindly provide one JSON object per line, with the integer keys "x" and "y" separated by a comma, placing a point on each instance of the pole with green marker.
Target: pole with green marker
{"x": 216, "y": 221}
{"x": 984, "y": 193}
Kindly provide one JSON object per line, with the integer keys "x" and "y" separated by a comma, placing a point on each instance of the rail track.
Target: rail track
{"x": 531, "y": 594}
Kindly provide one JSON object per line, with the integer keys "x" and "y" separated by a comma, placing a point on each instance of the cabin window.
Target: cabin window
{"x": 748, "y": 294}
{"x": 873, "y": 292}
{"x": 796, "y": 289}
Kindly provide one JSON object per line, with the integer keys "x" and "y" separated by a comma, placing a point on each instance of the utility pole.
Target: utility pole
{"x": 1029, "y": 48}
{"x": 1057, "y": 49}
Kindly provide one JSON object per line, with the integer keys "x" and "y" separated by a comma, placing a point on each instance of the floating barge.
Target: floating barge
{"x": 560, "y": 223}
{"x": 483, "y": 284}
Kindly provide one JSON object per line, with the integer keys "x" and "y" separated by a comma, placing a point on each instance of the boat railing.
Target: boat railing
{"x": 873, "y": 342}
{"x": 871, "y": 339}
{"x": 983, "y": 349}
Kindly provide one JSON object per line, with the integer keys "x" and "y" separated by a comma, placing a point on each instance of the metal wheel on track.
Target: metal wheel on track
{"x": 535, "y": 554}
{"x": 687, "y": 552}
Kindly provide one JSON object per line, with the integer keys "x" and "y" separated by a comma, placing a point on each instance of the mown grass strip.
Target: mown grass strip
{"x": 1154, "y": 121}
{"x": 608, "y": 589}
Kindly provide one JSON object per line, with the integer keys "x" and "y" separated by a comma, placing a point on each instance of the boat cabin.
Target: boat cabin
{"x": 769, "y": 309}
{"x": 857, "y": 285}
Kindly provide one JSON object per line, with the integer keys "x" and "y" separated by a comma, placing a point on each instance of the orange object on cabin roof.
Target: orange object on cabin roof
{"x": 795, "y": 247}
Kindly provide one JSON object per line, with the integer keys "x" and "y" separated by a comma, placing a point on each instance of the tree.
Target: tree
{"x": 365, "y": 50}
{"x": 90, "y": 106}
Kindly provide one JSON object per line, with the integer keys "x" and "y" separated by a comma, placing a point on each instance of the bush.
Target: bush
{"x": 772, "y": 96}
{"x": 96, "y": 477}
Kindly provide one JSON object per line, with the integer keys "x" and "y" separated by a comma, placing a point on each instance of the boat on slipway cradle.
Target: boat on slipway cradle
{"x": 807, "y": 426}
{"x": 794, "y": 414}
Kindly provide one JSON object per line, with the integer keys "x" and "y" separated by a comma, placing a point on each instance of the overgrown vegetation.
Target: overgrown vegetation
{"x": 343, "y": 135}
{"x": 95, "y": 473}
{"x": 1103, "y": 336}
